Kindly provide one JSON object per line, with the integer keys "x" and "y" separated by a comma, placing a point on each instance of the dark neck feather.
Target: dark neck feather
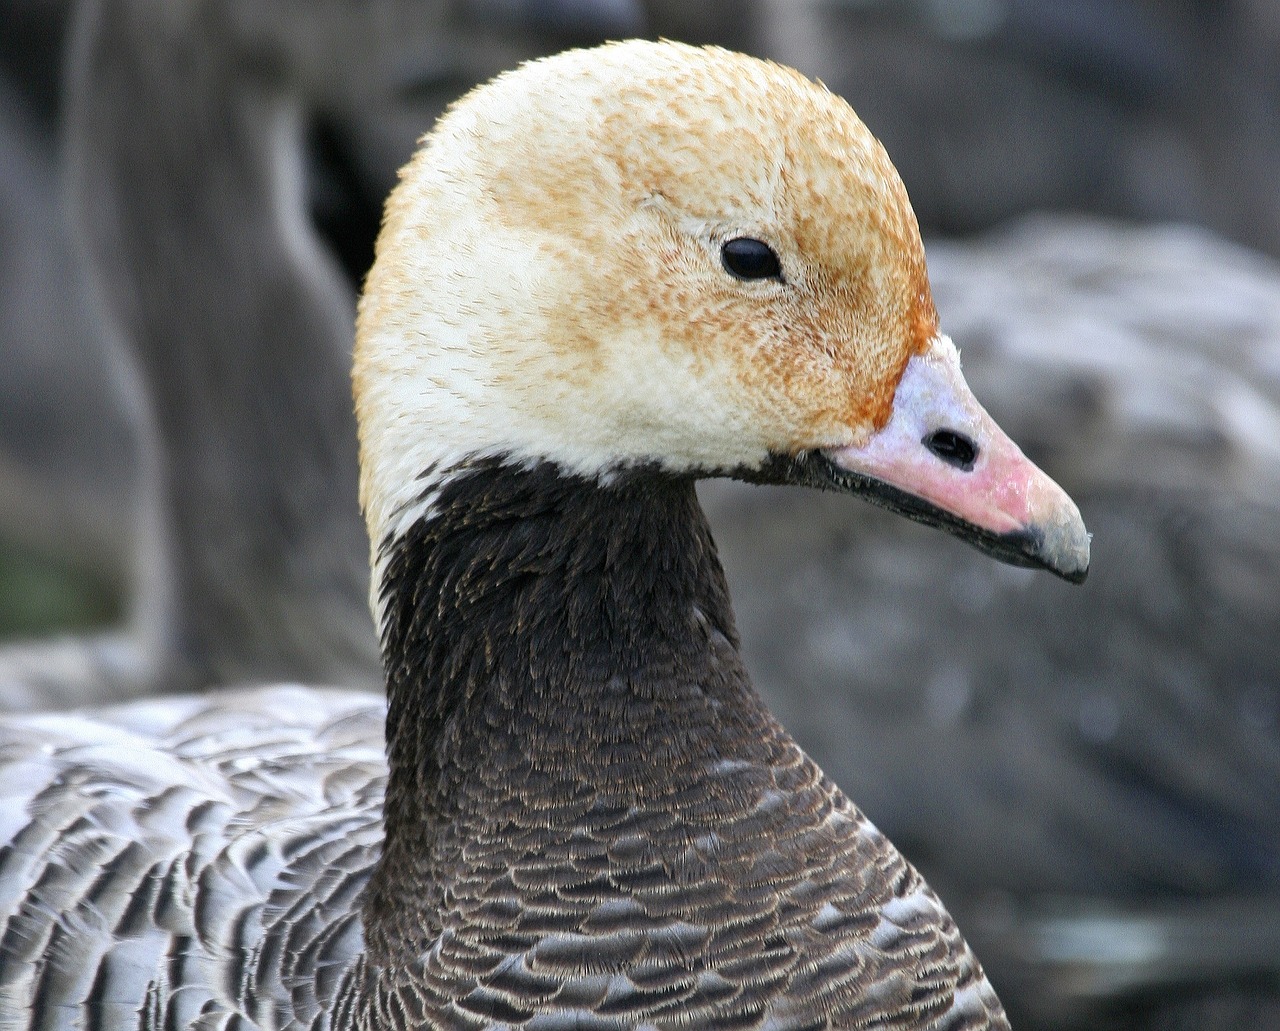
{"x": 546, "y": 626}
{"x": 529, "y": 597}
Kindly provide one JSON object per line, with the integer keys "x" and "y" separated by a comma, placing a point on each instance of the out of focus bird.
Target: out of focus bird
{"x": 208, "y": 147}
{"x": 603, "y": 277}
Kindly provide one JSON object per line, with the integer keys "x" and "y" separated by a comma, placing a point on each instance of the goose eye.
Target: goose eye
{"x": 750, "y": 259}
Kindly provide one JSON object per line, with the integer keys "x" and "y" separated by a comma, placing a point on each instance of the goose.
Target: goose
{"x": 603, "y": 276}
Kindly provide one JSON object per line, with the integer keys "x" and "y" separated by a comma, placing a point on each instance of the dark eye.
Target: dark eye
{"x": 750, "y": 259}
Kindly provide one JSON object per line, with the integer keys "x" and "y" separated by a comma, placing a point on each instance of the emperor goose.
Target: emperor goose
{"x": 603, "y": 276}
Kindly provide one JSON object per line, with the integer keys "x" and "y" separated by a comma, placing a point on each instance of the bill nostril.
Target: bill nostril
{"x": 953, "y": 448}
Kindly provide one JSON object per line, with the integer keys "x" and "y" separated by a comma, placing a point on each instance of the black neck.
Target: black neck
{"x": 546, "y": 626}
{"x": 528, "y": 599}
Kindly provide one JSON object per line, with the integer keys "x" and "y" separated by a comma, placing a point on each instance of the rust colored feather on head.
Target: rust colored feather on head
{"x": 549, "y": 280}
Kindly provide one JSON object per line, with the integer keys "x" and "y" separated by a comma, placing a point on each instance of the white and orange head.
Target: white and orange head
{"x": 552, "y": 284}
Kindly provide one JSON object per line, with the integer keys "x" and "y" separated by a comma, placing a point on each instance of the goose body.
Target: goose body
{"x": 588, "y": 819}
{"x": 184, "y": 859}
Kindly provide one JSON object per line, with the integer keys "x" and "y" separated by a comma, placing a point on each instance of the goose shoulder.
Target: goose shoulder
{"x": 178, "y": 843}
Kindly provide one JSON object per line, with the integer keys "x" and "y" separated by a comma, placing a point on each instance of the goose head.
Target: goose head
{"x": 655, "y": 255}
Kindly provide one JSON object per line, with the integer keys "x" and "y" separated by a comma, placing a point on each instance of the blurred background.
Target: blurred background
{"x": 189, "y": 191}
